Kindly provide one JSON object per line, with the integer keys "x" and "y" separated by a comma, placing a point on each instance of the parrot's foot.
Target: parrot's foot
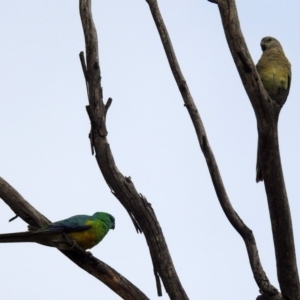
{"x": 70, "y": 244}
{"x": 88, "y": 254}
{"x": 73, "y": 246}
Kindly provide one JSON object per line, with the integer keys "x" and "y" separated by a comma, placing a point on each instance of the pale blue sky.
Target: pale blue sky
{"x": 45, "y": 151}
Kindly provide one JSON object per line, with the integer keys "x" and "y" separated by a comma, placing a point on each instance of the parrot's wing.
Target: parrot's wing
{"x": 73, "y": 224}
{"x": 290, "y": 80}
{"x": 283, "y": 93}
{"x": 63, "y": 228}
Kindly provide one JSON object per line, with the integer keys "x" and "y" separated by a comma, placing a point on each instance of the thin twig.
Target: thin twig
{"x": 13, "y": 218}
{"x": 108, "y": 104}
{"x": 83, "y": 65}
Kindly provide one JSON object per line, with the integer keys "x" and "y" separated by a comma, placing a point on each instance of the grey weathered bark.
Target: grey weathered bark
{"x": 262, "y": 281}
{"x": 267, "y": 113}
{"x": 122, "y": 187}
{"x": 115, "y": 281}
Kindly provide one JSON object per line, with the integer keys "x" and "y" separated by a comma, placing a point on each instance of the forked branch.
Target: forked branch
{"x": 261, "y": 279}
{"x": 267, "y": 113}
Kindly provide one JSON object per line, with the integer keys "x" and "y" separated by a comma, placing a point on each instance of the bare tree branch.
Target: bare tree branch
{"x": 247, "y": 235}
{"x": 115, "y": 281}
{"x": 20, "y": 206}
{"x": 267, "y": 113}
{"x": 122, "y": 187}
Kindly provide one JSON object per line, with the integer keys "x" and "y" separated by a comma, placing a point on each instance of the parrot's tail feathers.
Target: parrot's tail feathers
{"x": 17, "y": 237}
{"x": 259, "y": 175}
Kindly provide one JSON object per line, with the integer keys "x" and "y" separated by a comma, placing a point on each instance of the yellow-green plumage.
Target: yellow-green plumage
{"x": 86, "y": 231}
{"x": 89, "y": 238}
{"x": 275, "y": 72}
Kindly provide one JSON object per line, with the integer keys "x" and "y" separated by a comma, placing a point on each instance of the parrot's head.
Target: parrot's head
{"x": 106, "y": 218}
{"x": 269, "y": 42}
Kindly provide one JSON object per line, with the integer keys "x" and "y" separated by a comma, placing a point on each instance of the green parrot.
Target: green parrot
{"x": 275, "y": 73}
{"x": 85, "y": 231}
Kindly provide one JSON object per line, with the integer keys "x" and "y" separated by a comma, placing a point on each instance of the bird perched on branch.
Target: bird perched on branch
{"x": 85, "y": 231}
{"x": 275, "y": 73}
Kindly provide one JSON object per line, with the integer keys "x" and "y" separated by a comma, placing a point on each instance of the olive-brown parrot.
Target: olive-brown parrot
{"x": 275, "y": 73}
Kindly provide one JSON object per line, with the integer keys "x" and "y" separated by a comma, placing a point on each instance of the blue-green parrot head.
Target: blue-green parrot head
{"x": 107, "y": 218}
